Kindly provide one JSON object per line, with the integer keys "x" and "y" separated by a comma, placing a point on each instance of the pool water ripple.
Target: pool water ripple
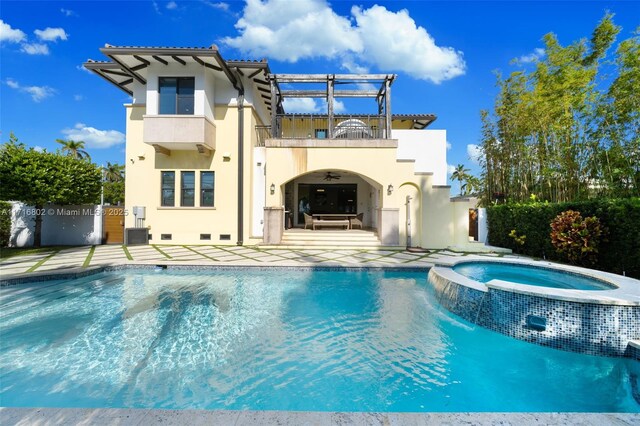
{"x": 279, "y": 340}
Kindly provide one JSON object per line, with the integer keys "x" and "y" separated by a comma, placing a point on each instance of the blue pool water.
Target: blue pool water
{"x": 280, "y": 340}
{"x": 529, "y": 275}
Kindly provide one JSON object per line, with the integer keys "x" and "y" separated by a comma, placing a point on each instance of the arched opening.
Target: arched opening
{"x": 331, "y": 191}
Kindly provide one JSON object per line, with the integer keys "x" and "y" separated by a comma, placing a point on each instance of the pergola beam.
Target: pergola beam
{"x": 322, "y": 78}
{"x": 324, "y": 93}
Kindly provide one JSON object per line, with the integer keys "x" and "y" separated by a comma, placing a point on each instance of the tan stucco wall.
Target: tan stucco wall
{"x": 432, "y": 212}
{"x": 143, "y": 167}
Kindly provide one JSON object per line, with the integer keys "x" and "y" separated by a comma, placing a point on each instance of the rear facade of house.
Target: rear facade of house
{"x": 212, "y": 157}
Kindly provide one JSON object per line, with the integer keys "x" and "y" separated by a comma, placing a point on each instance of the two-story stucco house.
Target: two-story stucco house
{"x": 212, "y": 157}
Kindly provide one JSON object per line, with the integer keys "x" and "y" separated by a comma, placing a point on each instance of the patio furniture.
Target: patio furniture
{"x": 356, "y": 221}
{"x": 308, "y": 220}
{"x": 331, "y": 223}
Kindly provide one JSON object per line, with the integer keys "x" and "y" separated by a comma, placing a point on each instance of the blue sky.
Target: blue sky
{"x": 443, "y": 52}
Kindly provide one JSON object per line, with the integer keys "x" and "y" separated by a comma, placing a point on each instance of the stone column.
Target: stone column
{"x": 273, "y": 225}
{"x": 388, "y": 228}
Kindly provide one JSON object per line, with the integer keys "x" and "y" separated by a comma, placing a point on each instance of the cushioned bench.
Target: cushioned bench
{"x": 331, "y": 223}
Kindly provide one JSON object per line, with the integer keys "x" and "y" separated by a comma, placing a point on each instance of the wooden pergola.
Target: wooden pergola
{"x": 381, "y": 95}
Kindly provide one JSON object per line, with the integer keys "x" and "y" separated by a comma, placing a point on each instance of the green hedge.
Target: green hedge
{"x": 5, "y": 223}
{"x": 621, "y": 251}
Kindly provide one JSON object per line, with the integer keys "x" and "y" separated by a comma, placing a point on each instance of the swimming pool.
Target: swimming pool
{"x": 528, "y": 275}
{"x": 280, "y": 339}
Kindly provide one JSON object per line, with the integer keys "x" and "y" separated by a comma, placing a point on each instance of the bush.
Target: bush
{"x": 5, "y": 223}
{"x": 576, "y": 238}
{"x": 620, "y": 253}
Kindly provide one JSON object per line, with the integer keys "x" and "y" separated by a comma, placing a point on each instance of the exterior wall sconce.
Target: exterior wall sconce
{"x": 390, "y": 189}
{"x": 272, "y": 188}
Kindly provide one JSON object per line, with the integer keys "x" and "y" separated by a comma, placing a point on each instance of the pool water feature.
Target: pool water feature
{"x": 339, "y": 340}
{"x": 528, "y": 275}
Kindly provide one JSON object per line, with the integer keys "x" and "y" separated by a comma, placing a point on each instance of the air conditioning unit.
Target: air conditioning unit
{"x": 133, "y": 236}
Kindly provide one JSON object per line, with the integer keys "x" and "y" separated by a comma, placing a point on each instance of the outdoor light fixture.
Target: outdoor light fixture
{"x": 390, "y": 189}
{"x": 273, "y": 189}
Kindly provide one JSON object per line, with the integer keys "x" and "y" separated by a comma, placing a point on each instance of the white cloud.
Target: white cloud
{"x": 450, "y": 169}
{"x": 474, "y": 152}
{"x": 83, "y": 69}
{"x": 300, "y": 105}
{"x": 270, "y": 28}
{"x": 217, "y": 5}
{"x": 35, "y": 49}
{"x": 373, "y": 37}
{"x": 448, "y": 145}
{"x": 534, "y": 56}
{"x": 10, "y": 35}
{"x": 394, "y": 41}
{"x": 38, "y": 93}
{"x": 78, "y": 97}
{"x": 51, "y": 34}
{"x": 93, "y": 137}
{"x": 38, "y": 148}
{"x": 310, "y": 105}
{"x": 68, "y": 12}
{"x": 172, "y": 5}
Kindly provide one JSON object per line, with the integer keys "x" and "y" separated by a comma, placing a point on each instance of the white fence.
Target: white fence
{"x": 61, "y": 225}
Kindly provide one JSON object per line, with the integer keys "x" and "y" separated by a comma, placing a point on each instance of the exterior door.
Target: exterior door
{"x": 113, "y": 225}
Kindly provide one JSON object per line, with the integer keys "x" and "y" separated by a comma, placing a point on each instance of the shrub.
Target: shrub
{"x": 620, "y": 253}
{"x": 5, "y": 223}
{"x": 576, "y": 237}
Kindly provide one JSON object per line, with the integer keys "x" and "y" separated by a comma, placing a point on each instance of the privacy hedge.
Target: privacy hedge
{"x": 621, "y": 251}
{"x": 5, "y": 223}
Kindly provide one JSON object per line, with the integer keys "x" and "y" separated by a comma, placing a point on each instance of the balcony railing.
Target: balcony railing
{"x": 309, "y": 126}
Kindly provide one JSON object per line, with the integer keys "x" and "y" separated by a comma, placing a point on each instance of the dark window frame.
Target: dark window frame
{"x": 204, "y": 191}
{"x": 166, "y": 186}
{"x": 180, "y": 100}
{"x": 183, "y": 189}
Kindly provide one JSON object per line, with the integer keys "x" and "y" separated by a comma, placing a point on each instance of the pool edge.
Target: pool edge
{"x": 124, "y": 416}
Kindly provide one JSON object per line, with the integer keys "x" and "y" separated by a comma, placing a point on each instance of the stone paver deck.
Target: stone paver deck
{"x": 78, "y": 258}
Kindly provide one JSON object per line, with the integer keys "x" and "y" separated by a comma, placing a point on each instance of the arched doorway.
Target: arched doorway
{"x": 331, "y": 191}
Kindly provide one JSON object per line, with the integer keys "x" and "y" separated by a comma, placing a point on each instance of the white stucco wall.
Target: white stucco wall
{"x": 61, "y": 225}
{"x": 154, "y": 72}
{"x": 428, "y": 148}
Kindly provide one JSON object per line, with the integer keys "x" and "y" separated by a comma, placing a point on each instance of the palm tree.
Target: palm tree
{"x": 113, "y": 172}
{"x": 74, "y": 149}
{"x": 459, "y": 174}
{"x": 471, "y": 185}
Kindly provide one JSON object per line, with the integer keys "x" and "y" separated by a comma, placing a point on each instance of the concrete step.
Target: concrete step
{"x": 330, "y": 238}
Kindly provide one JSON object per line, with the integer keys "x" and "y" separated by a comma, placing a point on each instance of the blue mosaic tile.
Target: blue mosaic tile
{"x": 596, "y": 329}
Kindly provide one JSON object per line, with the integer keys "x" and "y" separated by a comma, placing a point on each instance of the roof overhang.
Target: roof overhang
{"x": 129, "y": 64}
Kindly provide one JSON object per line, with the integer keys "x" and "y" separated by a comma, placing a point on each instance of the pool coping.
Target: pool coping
{"x": 79, "y": 272}
{"x": 22, "y": 416}
{"x": 625, "y": 293}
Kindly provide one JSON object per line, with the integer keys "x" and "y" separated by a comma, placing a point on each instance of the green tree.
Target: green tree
{"x": 114, "y": 172}
{"x": 37, "y": 178}
{"x": 460, "y": 174}
{"x": 74, "y": 149}
{"x": 471, "y": 185}
{"x": 566, "y": 130}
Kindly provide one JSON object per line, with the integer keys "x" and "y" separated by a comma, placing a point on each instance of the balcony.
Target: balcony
{"x": 167, "y": 133}
{"x": 315, "y": 130}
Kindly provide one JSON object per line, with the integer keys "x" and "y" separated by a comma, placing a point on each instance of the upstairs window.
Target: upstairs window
{"x": 176, "y": 95}
{"x": 207, "y": 181}
{"x": 168, "y": 189}
{"x": 188, "y": 189}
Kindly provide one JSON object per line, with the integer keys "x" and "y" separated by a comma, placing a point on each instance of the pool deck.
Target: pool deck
{"x": 79, "y": 259}
{"x": 80, "y": 416}
{"x": 76, "y": 259}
